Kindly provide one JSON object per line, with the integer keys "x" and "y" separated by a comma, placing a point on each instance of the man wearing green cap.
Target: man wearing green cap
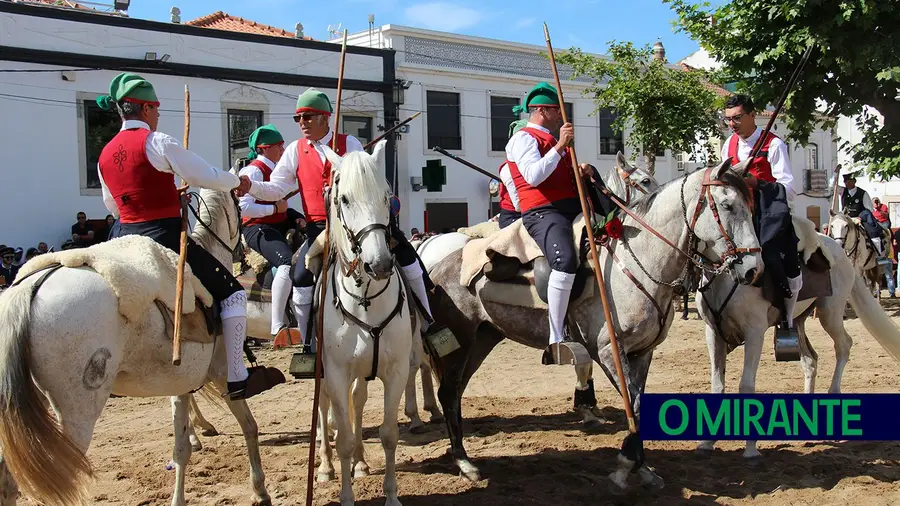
{"x": 266, "y": 222}
{"x": 543, "y": 178}
{"x": 137, "y": 171}
{"x": 304, "y": 165}
{"x": 509, "y": 198}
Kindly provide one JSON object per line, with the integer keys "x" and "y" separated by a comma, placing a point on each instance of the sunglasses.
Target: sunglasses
{"x": 305, "y": 117}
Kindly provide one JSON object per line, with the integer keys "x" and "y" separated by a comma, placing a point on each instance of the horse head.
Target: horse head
{"x": 634, "y": 176}
{"x": 721, "y": 221}
{"x": 359, "y": 212}
{"x": 218, "y": 228}
{"x": 839, "y": 228}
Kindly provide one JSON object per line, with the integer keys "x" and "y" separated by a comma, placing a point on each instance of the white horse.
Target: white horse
{"x": 629, "y": 183}
{"x": 852, "y": 237}
{"x": 368, "y": 325}
{"x": 734, "y": 318}
{"x": 67, "y": 347}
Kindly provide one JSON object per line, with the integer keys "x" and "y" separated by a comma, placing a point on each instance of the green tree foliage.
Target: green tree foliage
{"x": 855, "y": 63}
{"x": 666, "y": 108}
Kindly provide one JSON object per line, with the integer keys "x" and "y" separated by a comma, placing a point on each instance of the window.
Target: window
{"x": 570, "y": 113}
{"x": 812, "y": 157}
{"x": 241, "y": 123}
{"x": 610, "y": 141}
{"x": 443, "y": 120}
{"x": 99, "y": 127}
{"x": 359, "y": 127}
{"x": 501, "y": 117}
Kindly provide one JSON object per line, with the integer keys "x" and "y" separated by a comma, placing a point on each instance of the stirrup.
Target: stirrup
{"x": 303, "y": 364}
{"x": 566, "y": 353}
{"x": 787, "y": 343}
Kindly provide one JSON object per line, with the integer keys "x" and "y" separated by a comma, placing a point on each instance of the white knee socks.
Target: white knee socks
{"x": 234, "y": 326}
{"x": 795, "y": 284}
{"x": 302, "y": 303}
{"x": 559, "y": 288}
{"x": 281, "y": 290}
{"x": 413, "y": 274}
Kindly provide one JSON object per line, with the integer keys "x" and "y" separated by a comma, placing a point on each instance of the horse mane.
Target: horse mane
{"x": 642, "y": 206}
{"x": 358, "y": 178}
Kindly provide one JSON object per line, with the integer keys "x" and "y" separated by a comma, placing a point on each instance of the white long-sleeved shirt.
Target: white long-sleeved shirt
{"x": 507, "y": 180}
{"x": 165, "y": 154}
{"x": 522, "y": 149}
{"x": 249, "y": 207}
{"x": 778, "y": 159}
{"x": 284, "y": 178}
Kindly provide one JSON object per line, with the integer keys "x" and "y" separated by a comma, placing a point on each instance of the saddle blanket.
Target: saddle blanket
{"x": 480, "y": 230}
{"x": 139, "y": 270}
{"x": 809, "y": 240}
{"x": 512, "y": 241}
{"x": 521, "y": 291}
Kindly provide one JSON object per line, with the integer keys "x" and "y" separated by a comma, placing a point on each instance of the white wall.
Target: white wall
{"x": 44, "y": 149}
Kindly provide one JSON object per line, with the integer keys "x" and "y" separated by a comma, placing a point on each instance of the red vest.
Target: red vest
{"x": 312, "y": 175}
{"x": 274, "y": 217}
{"x": 142, "y": 193}
{"x": 760, "y": 166}
{"x": 505, "y": 200}
{"x": 559, "y": 185}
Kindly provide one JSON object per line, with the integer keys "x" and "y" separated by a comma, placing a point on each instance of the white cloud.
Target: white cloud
{"x": 525, "y": 22}
{"x": 442, "y": 16}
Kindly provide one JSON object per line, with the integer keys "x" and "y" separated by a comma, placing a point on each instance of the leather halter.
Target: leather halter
{"x": 861, "y": 235}
{"x": 350, "y": 267}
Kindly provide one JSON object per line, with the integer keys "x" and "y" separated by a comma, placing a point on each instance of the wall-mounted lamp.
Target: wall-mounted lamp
{"x": 416, "y": 183}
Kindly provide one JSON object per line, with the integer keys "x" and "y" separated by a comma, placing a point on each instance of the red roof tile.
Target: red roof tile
{"x": 223, "y": 21}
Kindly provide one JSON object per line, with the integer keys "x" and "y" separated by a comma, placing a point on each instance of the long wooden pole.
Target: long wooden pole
{"x": 598, "y": 274}
{"x": 834, "y": 194}
{"x": 320, "y": 316}
{"x": 182, "y": 251}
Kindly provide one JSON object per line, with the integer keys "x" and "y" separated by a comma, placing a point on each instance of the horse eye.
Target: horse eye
{"x": 344, "y": 200}
{"x": 645, "y": 181}
{"x": 728, "y": 207}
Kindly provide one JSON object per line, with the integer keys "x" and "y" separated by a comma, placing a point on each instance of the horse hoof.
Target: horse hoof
{"x": 263, "y": 502}
{"x": 592, "y": 426}
{"x": 418, "y": 429}
{"x": 652, "y": 481}
{"x": 361, "y": 469}
{"x": 196, "y": 446}
{"x": 325, "y": 477}
{"x": 210, "y": 432}
{"x": 615, "y": 489}
{"x": 468, "y": 471}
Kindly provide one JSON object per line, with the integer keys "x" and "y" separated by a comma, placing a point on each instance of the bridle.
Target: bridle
{"x": 350, "y": 267}
{"x": 860, "y": 235}
{"x": 232, "y": 236}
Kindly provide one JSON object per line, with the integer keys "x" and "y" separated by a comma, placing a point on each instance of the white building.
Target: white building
{"x": 813, "y": 165}
{"x": 466, "y": 87}
{"x": 56, "y": 61}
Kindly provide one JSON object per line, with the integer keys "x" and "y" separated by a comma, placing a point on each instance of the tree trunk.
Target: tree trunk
{"x": 650, "y": 154}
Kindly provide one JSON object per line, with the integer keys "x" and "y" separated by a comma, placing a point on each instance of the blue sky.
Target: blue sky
{"x": 588, "y": 24}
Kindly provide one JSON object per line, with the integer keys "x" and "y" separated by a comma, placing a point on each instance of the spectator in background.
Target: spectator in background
{"x": 19, "y": 257}
{"x": 42, "y": 248}
{"x": 881, "y": 213}
{"x": 8, "y": 270}
{"x": 31, "y": 253}
{"x": 110, "y": 223}
{"x": 415, "y": 234}
{"x": 82, "y": 231}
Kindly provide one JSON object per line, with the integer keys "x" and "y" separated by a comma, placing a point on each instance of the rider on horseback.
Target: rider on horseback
{"x": 304, "y": 165}
{"x": 542, "y": 174}
{"x": 771, "y": 179}
{"x": 856, "y": 203}
{"x": 137, "y": 174}
{"x": 266, "y": 223}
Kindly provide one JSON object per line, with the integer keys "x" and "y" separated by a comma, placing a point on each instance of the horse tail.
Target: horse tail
{"x": 874, "y": 319}
{"x": 45, "y": 462}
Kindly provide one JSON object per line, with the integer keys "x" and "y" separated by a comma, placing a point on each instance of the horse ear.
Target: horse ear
{"x": 623, "y": 165}
{"x": 723, "y": 168}
{"x": 332, "y": 157}
{"x": 741, "y": 168}
{"x": 379, "y": 151}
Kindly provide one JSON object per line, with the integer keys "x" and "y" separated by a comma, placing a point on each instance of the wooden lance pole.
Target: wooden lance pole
{"x": 182, "y": 251}
{"x": 320, "y": 317}
{"x": 832, "y": 210}
{"x": 598, "y": 274}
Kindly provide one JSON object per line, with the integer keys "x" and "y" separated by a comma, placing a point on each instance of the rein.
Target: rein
{"x": 209, "y": 228}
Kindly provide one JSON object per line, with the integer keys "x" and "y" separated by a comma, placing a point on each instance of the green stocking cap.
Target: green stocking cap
{"x": 542, "y": 95}
{"x": 128, "y": 87}
{"x": 517, "y": 125}
{"x": 266, "y": 135}
{"x": 313, "y": 100}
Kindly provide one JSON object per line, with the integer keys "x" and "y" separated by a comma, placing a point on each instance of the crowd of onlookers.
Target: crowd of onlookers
{"x": 84, "y": 234}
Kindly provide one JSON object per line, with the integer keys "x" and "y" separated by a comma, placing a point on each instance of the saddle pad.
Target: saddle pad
{"x": 512, "y": 241}
{"x": 522, "y": 292}
{"x": 255, "y": 290}
{"x": 481, "y": 230}
{"x": 809, "y": 240}
{"x": 815, "y": 284}
{"x": 138, "y": 270}
{"x": 194, "y": 327}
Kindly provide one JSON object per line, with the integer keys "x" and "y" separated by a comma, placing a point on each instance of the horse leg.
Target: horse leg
{"x": 833, "y": 323}
{"x": 338, "y": 386}
{"x": 390, "y": 432}
{"x": 455, "y": 377}
{"x": 326, "y": 468}
{"x": 411, "y": 407}
{"x": 753, "y": 343}
{"x": 181, "y": 455}
{"x": 585, "y": 400}
{"x": 718, "y": 352}
{"x": 198, "y": 420}
{"x": 360, "y": 396}
{"x": 809, "y": 359}
{"x": 428, "y": 393}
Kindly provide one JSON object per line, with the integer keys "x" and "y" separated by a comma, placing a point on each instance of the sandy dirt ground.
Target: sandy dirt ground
{"x": 522, "y": 434}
